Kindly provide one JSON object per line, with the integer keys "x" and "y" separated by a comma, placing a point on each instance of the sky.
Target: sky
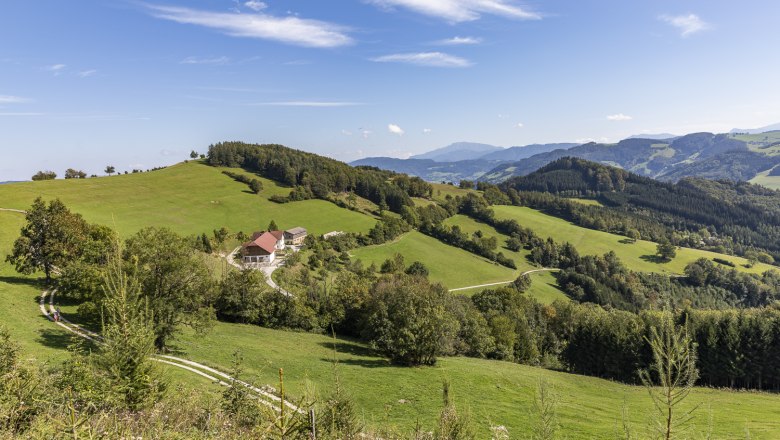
{"x": 137, "y": 84}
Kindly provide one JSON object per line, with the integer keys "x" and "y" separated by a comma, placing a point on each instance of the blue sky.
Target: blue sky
{"x": 86, "y": 83}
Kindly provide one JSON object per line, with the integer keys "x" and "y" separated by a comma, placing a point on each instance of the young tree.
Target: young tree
{"x": 44, "y": 175}
{"x": 51, "y": 238}
{"x": 110, "y": 170}
{"x": 272, "y": 226}
{"x": 674, "y": 369}
{"x": 220, "y": 235}
{"x": 417, "y": 269}
{"x": 633, "y": 235}
{"x": 522, "y": 283}
{"x": 128, "y": 339}
{"x": 193, "y": 154}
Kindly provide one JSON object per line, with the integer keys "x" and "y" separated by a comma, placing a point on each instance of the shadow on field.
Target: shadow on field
{"x": 351, "y": 348}
{"x": 654, "y": 259}
{"x": 55, "y": 338}
{"x": 31, "y": 282}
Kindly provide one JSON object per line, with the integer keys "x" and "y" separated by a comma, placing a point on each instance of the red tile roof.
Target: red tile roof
{"x": 279, "y": 235}
{"x": 265, "y": 241}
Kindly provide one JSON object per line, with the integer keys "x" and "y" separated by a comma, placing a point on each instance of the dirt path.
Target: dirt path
{"x": 18, "y": 211}
{"x": 528, "y": 272}
{"x": 205, "y": 371}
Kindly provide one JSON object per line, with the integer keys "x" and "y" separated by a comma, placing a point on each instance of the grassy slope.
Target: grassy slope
{"x": 451, "y": 266}
{"x": 763, "y": 178}
{"x": 544, "y": 287}
{"x": 637, "y": 256}
{"x": 498, "y": 393}
{"x": 192, "y": 198}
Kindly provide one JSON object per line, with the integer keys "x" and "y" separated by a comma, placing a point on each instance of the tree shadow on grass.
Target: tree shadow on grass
{"x": 23, "y": 281}
{"x": 654, "y": 259}
{"x": 367, "y": 358}
{"x": 56, "y": 337}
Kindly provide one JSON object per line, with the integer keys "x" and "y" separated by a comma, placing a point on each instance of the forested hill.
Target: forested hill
{"x": 669, "y": 159}
{"x": 748, "y": 214}
{"x": 313, "y": 176}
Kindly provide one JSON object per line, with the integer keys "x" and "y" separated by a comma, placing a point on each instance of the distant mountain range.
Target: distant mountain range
{"x": 458, "y": 161}
{"x": 739, "y": 155}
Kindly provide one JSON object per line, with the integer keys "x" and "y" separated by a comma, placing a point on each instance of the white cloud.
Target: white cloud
{"x": 346, "y": 132}
{"x": 21, "y": 114}
{"x": 619, "y": 117}
{"x": 457, "y": 11}
{"x": 56, "y": 68}
{"x": 392, "y": 128}
{"x": 458, "y": 41}
{"x": 290, "y": 30}
{"x": 255, "y": 5}
{"x": 198, "y": 60}
{"x": 87, "y": 73}
{"x": 687, "y": 24}
{"x": 8, "y": 99}
{"x": 519, "y": 125}
{"x": 430, "y": 59}
{"x": 365, "y": 133}
{"x": 309, "y": 103}
{"x": 427, "y": 131}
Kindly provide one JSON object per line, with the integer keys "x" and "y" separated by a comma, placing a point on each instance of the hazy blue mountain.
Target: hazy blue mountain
{"x": 431, "y": 170}
{"x": 458, "y": 151}
{"x": 518, "y": 153}
{"x": 772, "y": 127}
{"x": 647, "y": 157}
{"x": 658, "y": 136}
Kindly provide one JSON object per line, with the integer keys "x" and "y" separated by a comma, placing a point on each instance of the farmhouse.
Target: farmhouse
{"x": 294, "y": 236}
{"x": 262, "y": 248}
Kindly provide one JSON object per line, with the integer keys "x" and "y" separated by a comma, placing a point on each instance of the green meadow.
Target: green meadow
{"x": 191, "y": 198}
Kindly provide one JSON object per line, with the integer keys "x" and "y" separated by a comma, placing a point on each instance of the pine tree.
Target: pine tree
{"x": 674, "y": 367}
{"x": 272, "y": 226}
{"x": 128, "y": 339}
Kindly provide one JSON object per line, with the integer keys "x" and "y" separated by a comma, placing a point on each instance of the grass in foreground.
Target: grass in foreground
{"x": 636, "y": 256}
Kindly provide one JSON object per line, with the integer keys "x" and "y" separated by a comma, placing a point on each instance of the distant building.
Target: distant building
{"x": 295, "y": 236}
{"x": 262, "y": 248}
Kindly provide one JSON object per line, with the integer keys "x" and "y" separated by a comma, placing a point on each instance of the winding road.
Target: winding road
{"x": 267, "y": 270}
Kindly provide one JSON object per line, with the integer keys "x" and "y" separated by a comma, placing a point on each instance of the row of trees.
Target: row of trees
{"x": 72, "y": 173}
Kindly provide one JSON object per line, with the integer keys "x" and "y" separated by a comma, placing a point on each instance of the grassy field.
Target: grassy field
{"x": 637, "y": 256}
{"x": 764, "y": 179}
{"x": 496, "y": 393}
{"x": 451, "y": 266}
{"x": 441, "y": 191}
{"x": 189, "y": 197}
{"x": 469, "y": 226}
{"x": 762, "y": 142}
{"x": 544, "y": 287}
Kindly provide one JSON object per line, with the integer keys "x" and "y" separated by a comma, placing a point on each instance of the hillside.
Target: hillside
{"x": 190, "y": 197}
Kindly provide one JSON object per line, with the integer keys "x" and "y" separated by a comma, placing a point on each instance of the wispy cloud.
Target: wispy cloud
{"x": 365, "y": 134}
{"x": 346, "y": 132}
{"x": 309, "y": 103}
{"x": 427, "y": 131}
{"x": 57, "y": 69}
{"x": 8, "y": 99}
{"x": 394, "y": 129}
{"x": 430, "y": 59}
{"x": 290, "y": 30}
{"x": 519, "y": 125}
{"x": 87, "y": 73}
{"x": 619, "y": 117}
{"x": 687, "y": 24}
{"x": 199, "y": 60}
{"x": 21, "y": 114}
{"x": 459, "y": 41}
{"x": 255, "y": 5}
{"x": 457, "y": 11}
